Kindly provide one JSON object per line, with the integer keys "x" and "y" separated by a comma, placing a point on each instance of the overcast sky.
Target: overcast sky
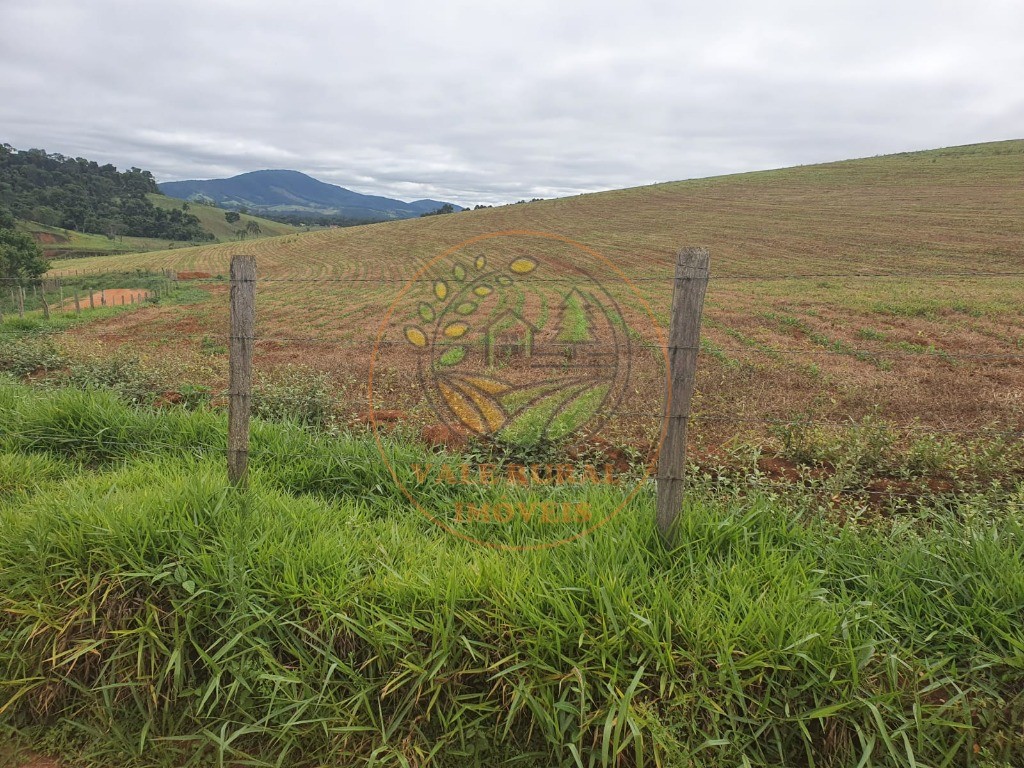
{"x": 492, "y": 101}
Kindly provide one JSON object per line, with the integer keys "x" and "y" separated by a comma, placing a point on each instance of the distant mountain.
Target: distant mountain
{"x": 292, "y": 192}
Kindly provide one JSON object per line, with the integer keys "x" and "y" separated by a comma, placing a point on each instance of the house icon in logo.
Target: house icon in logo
{"x": 508, "y": 336}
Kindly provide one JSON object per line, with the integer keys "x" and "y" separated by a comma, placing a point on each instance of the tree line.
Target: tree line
{"x": 84, "y": 196}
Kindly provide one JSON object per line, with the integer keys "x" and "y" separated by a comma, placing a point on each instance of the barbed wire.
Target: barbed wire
{"x": 864, "y": 354}
{"x": 751, "y": 473}
{"x": 666, "y": 279}
{"x": 384, "y": 417}
{"x": 360, "y": 413}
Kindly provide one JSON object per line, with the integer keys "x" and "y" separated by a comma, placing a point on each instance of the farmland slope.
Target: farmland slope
{"x": 950, "y": 208}
{"x": 797, "y": 323}
{"x": 213, "y": 221}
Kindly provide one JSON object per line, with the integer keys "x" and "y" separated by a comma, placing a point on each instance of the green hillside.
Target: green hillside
{"x": 58, "y": 243}
{"x": 82, "y": 195}
{"x": 212, "y": 219}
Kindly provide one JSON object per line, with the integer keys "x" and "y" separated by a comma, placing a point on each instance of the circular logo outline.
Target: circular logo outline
{"x": 383, "y": 329}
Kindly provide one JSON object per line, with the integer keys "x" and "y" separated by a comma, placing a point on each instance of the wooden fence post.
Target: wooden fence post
{"x": 21, "y": 302}
{"x": 243, "y": 325}
{"x": 691, "y": 282}
{"x": 42, "y": 297}
{"x": 78, "y": 306}
{"x": 92, "y": 299}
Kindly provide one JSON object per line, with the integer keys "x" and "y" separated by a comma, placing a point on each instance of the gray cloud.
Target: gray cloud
{"x": 490, "y": 102}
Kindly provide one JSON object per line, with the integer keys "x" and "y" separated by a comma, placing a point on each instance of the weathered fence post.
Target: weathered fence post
{"x": 103, "y": 297}
{"x": 243, "y": 325}
{"x": 78, "y": 306}
{"x": 42, "y": 297}
{"x": 92, "y": 299}
{"x": 691, "y": 282}
{"x": 60, "y": 287}
{"x": 21, "y": 302}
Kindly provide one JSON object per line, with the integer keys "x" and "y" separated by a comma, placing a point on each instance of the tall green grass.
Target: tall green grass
{"x": 151, "y": 615}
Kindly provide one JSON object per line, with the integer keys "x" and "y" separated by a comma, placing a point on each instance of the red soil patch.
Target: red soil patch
{"x": 887, "y": 487}
{"x": 380, "y": 417}
{"x": 779, "y": 469}
{"x": 48, "y": 238}
{"x": 167, "y": 399}
{"x": 193, "y": 275}
{"x": 28, "y": 760}
{"x": 445, "y": 436}
{"x": 112, "y": 296}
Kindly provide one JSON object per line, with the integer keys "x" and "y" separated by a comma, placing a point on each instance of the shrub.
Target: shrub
{"x": 293, "y": 393}
{"x": 120, "y": 372}
{"x": 30, "y": 354}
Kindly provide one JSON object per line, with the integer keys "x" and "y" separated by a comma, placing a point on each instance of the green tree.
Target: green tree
{"x": 444, "y": 209}
{"x": 20, "y": 257}
{"x": 44, "y": 214}
{"x": 253, "y": 228}
{"x": 232, "y": 216}
{"x": 115, "y": 228}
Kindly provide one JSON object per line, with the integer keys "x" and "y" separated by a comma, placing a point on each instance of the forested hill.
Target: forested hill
{"x": 82, "y": 195}
{"x": 299, "y": 197}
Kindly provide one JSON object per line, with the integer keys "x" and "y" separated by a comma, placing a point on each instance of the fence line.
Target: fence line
{"x": 670, "y": 473}
{"x": 854, "y": 352}
{"x": 361, "y": 414}
{"x": 258, "y": 453}
{"x": 663, "y": 279}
